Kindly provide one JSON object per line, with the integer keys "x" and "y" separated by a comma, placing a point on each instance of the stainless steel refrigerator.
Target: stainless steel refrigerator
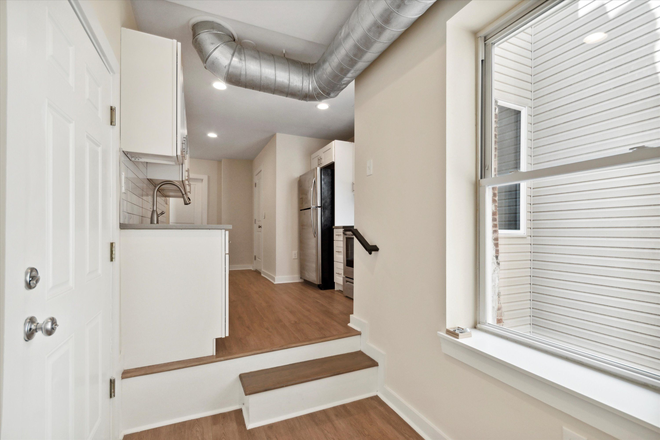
{"x": 315, "y": 222}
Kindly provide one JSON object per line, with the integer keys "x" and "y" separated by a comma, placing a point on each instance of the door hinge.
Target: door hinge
{"x": 112, "y": 387}
{"x": 255, "y": 184}
{"x": 255, "y": 258}
{"x": 112, "y": 251}
{"x": 113, "y": 115}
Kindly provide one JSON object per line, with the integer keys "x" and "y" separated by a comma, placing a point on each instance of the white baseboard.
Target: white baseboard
{"x": 416, "y": 420}
{"x": 281, "y": 279}
{"x": 240, "y": 267}
{"x": 269, "y": 276}
{"x": 179, "y": 420}
{"x": 288, "y": 279}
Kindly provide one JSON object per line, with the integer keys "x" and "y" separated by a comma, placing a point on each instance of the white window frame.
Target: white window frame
{"x": 524, "y": 128}
{"x": 635, "y": 156}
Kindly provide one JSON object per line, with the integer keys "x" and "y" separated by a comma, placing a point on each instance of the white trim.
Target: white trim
{"x": 284, "y": 279}
{"x": 269, "y": 276}
{"x": 241, "y": 267}
{"x": 307, "y": 411}
{"x": 633, "y": 157}
{"x": 524, "y": 133}
{"x": 411, "y": 416}
{"x": 205, "y": 195}
{"x": 180, "y": 419}
{"x": 92, "y": 26}
{"x": 618, "y": 407}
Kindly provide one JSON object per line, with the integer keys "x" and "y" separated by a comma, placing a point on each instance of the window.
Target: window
{"x": 570, "y": 185}
{"x": 510, "y": 151}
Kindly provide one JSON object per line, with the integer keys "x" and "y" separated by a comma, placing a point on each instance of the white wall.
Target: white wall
{"x": 212, "y": 169}
{"x": 265, "y": 162}
{"x": 282, "y": 161}
{"x": 236, "y": 210}
{"x": 293, "y": 155}
{"x": 402, "y": 123}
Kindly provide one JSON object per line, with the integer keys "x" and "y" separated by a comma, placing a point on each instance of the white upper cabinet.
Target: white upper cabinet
{"x": 342, "y": 155}
{"x": 153, "y": 126}
{"x": 324, "y": 156}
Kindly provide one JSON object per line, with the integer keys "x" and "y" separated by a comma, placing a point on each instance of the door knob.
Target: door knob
{"x": 32, "y": 278}
{"x": 31, "y": 327}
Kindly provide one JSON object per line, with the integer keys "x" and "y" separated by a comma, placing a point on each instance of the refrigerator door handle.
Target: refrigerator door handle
{"x": 312, "y": 192}
{"x": 311, "y": 212}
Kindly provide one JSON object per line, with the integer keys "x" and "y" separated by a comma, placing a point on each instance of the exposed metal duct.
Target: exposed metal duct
{"x": 372, "y": 27}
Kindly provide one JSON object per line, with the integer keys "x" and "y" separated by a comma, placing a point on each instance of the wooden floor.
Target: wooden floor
{"x": 365, "y": 419}
{"x": 266, "y": 317}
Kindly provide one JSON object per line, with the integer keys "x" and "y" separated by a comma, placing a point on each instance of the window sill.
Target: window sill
{"x": 618, "y": 407}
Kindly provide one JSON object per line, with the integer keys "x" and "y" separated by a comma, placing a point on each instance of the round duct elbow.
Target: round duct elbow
{"x": 371, "y": 28}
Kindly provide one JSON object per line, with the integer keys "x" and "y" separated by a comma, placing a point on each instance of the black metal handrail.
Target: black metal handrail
{"x": 363, "y": 241}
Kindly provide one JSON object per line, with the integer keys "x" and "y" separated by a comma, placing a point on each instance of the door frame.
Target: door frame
{"x": 257, "y": 196}
{"x": 92, "y": 26}
{"x": 205, "y": 197}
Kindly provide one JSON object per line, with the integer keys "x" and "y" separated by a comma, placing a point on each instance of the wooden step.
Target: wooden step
{"x": 279, "y": 377}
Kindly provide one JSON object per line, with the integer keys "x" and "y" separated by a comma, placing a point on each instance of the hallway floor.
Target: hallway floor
{"x": 364, "y": 419}
{"x": 264, "y": 316}
{"x": 267, "y": 317}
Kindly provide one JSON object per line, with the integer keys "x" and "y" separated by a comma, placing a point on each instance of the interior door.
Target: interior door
{"x": 196, "y": 212}
{"x": 58, "y": 220}
{"x": 258, "y": 223}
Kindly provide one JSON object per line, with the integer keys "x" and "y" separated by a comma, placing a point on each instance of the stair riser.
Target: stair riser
{"x": 296, "y": 400}
{"x": 174, "y": 396}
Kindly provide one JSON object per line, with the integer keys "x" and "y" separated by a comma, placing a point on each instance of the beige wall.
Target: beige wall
{"x": 236, "y": 210}
{"x": 212, "y": 169}
{"x": 293, "y": 159}
{"x": 418, "y": 207}
{"x": 282, "y": 161}
{"x": 265, "y": 162}
{"x": 114, "y": 15}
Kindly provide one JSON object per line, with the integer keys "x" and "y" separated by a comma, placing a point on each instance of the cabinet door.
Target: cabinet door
{"x": 328, "y": 155}
{"x": 317, "y": 160}
{"x": 149, "y": 104}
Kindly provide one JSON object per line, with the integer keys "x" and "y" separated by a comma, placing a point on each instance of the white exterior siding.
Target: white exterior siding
{"x": 512, "y": 83}
{"x": 595, "y": 266}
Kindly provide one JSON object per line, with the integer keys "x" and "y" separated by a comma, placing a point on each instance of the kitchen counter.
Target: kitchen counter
{"x": 150, "y": 226}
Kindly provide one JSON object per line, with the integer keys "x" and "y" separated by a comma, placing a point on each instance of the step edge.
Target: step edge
{"x": 374, "y": 364}
{"x": 206, "y": 360}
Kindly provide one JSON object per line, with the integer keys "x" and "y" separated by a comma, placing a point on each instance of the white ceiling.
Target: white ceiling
{"x": 244, "y": 119}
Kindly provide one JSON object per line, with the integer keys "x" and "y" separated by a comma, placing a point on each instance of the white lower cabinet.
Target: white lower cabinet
{"x": 174, "y": 293}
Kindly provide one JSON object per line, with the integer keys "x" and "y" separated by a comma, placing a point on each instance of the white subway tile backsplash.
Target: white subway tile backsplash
{"x": 136, "y": 201}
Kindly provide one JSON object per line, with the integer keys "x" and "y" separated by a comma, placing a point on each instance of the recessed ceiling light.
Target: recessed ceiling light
{"x": 595, "y": 38}
{"x": 212, "y": 135}
{"x": 220, "y": 85}
{"x": 322, "y": 106}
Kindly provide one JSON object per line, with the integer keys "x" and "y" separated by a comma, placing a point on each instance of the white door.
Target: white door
{"x": 58, "y": 220}
{"x": 196, "y": 212}
{"x": 258, "y": 223}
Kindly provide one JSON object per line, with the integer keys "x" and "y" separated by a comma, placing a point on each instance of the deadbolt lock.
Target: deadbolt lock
{"x": 32, "y": 278}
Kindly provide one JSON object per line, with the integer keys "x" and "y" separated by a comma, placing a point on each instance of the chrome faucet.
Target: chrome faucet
{"x": 154, "y": 212}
